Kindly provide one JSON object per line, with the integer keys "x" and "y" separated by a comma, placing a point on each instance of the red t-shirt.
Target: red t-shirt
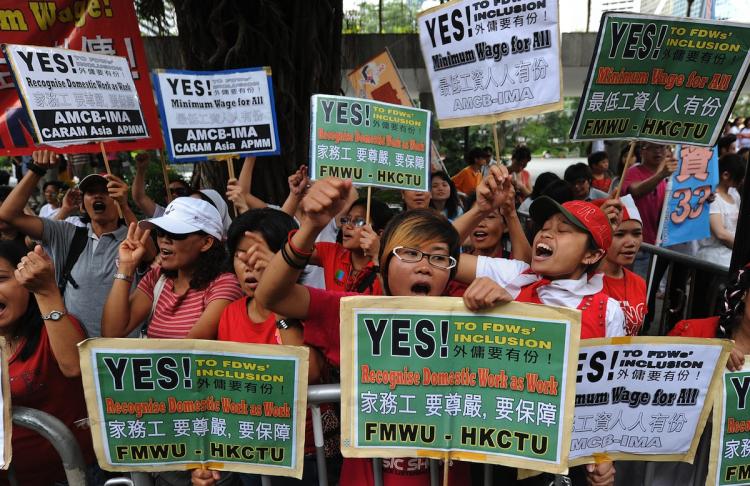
{"x": 337, "y": 269}
{"x": 602, "y": 184}
{"x": 235, "y": 325}
{"x": 649, "y": 205}
{"x": 630, "y": 292}
{"x": 705, "y": 328}
{"x": 175, "y": 315}
{"x": 38, "y": 383}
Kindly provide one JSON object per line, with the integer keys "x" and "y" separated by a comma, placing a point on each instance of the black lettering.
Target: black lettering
{"x": 172, "y": 84}
{"x": 400, "y": 337}
{"x": 44, "y": 63}
{"x": 456, "y": 20}
{"x": 186, "y": 87}
{"x": 59, "y": 59}
{"x": 632, "y": 42}
{"x": 376, "y": 333}
{"x": 430, "y": 24}
{"x": 117, "y": 370}
{"x": 647, "y": 41}
{"x": 595, "y": 363}
{"x": 142, "y": 374}
{"x": 741, "y": 388}
{"x": 356, "y": 114}
{"x": 166, "y": 367}
{"x": 426, "y": 346}
{"x": 618, "y": 31}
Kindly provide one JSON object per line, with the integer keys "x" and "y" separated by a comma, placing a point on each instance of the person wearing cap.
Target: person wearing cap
{"x": 190, "y": 288}
{"x": 626, "y": 287}
{"x": 91, "y": 276}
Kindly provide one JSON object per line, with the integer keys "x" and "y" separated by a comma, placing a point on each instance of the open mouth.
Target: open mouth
{"x": 99, "y": 206}
{"x": 165, "y": 252}
{"x": 480, "y": 235}
{"x": 420, "y": 289}
{"x": 251, "y": 282}
{"x": 542, "y": 251}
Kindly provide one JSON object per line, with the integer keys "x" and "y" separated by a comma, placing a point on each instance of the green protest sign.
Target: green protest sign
{"x": 662, "y": 79}
{"x": 164, "y": 405}
{"x": 370, "y": 142}
{"x": 429, "y": 378}
{"x": 730, "y": 444}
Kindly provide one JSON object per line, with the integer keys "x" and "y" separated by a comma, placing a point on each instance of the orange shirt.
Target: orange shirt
{"x": 467, "y": 180}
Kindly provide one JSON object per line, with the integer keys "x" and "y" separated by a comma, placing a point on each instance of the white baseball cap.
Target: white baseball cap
{"x": 188, "y": 215}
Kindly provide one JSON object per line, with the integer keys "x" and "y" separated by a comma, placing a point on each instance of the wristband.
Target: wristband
{"x": 292, "y": 263}
{"x": 285, "y": 324}
{"x": 40, "y": 171}
{"x": 297, "y": 252}
{"x": 122, "y": 276}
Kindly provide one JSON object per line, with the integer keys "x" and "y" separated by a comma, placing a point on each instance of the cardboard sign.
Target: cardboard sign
{"x": 379, "y": 79}
{"x": 490, "y": 61}
{"x": 423, "y": 377}
{"x": 729, "y": 462}
{"x": 177, "y": 404}
{"x": 217, "y": 113}
{"x": 369, "y": 142}
{"x": 6, "y": 422}
{"x": 686, "y": 212}
{"x": 75, "y": 97}
{"x": 102, "y": 27}
{"x": 644, "y": 398}
{"x": 662, "y": 79}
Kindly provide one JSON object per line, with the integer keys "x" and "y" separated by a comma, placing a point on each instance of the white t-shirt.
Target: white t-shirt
{"x": 564, "y": 293}
{"x": 48, "y": 211}
{"x": 743, "y": 142}
{"x": 711, "y": 249}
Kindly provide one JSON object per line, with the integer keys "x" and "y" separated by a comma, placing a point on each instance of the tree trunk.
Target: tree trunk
{"x": 299, "y": 39}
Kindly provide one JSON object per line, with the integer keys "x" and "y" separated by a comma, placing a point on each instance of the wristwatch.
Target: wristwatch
{"x": 55, "y": 315}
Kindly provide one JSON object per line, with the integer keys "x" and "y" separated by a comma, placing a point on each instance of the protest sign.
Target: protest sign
{"x": 644, "y": 398}
{"x": 100, "y": 27}
{"x": 217, "y": 113}
{"x": 369, "y": 142}
{"x": 379, "y": 79}
{"x": 489, "y": 62}
{"x": 165, "y": 405}
{"x": 685, "y": 216}
{"x": 729, "y": 462}
{"x": 423, "y": 378}
{"x": 73, "y": 97}
{"x": 663, "y": 79}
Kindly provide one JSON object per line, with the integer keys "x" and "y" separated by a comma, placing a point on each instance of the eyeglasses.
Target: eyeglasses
{"x": 173, "y": 236}
{"x": 357, "y": 222}
{"x": 411, "y": 255}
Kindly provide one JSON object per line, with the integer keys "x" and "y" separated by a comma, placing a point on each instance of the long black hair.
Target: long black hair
{"x": 733, "y": 307}
{"x": 208, "y": 266}
{"x": 453, "y": 203}
{"x": 30, "y": 323}
{"x": 272, "y": 224}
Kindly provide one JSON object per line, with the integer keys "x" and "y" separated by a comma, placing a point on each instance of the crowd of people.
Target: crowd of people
{"x": 87, "y": 266}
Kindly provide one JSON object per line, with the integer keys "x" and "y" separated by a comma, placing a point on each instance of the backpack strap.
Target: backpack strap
{"x": 158, "y": 287}
{"x": 77, "y": 245}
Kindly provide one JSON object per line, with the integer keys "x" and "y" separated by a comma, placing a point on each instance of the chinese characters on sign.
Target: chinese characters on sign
{"x": 662, "y": 79}
{"x": 418, "y": 382}
{"x": 488, "y": 61}
{"x": 369, "y": 142}
{"x": 162, "y": 405}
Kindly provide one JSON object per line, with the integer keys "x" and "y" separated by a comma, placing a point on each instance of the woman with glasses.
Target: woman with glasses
{"x": 417, "y": 256}
{"x": 350, "y": 264}
{"x": 184, "y": 297}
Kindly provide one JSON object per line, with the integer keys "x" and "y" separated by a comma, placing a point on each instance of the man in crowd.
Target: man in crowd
{"x": 90, "y": 277}
{"x": 579, "y": 177}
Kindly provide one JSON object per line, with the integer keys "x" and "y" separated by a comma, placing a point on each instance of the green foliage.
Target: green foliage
{"x": 154, "y": 180}
{"x": 399, "y": 17}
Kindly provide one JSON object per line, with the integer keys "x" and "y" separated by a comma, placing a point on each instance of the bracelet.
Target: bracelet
{"x": 122, "y": 276}
{"x": 297, "y": 252}
{"x": 285, "y": 324}
{"x": 40, "y": 171}
{"x": 290, "y": 262}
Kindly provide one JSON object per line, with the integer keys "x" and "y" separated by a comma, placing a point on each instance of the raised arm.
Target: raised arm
{"x": 144, "y": 203}
{"x": 12, "y": 209}
{"x": 36, "y": 272}
{"x": 519, "y": 244}
{"x": 278, "y": 291}
{"x": 641, "y": 188}
{"x": 124, "y": 312}
{"x": 492, "y": 193}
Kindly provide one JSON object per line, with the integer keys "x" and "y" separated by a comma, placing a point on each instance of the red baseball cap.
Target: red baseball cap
{"x": 584, "y": 215}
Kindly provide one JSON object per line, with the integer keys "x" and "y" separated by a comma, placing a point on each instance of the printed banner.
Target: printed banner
{"x": 663, "y": 79}
{"x": 217, "y": 113}
{"x": 686, "y": 215}
{"x": 165, "y": 405}
{"x": 644, "y": 398}
{"x": 490, "y": 61}
{"x": 103, "y": 27}
{"x": 75, "y": 97}
{"x": 729, "y": 462}
{"x": 428, "y": 377}
{"x": 369, "y": 142}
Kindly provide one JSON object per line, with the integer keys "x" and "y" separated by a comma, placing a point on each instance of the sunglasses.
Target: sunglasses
{"x": 160, "y": 233}
{"x": 178, "y": 191}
